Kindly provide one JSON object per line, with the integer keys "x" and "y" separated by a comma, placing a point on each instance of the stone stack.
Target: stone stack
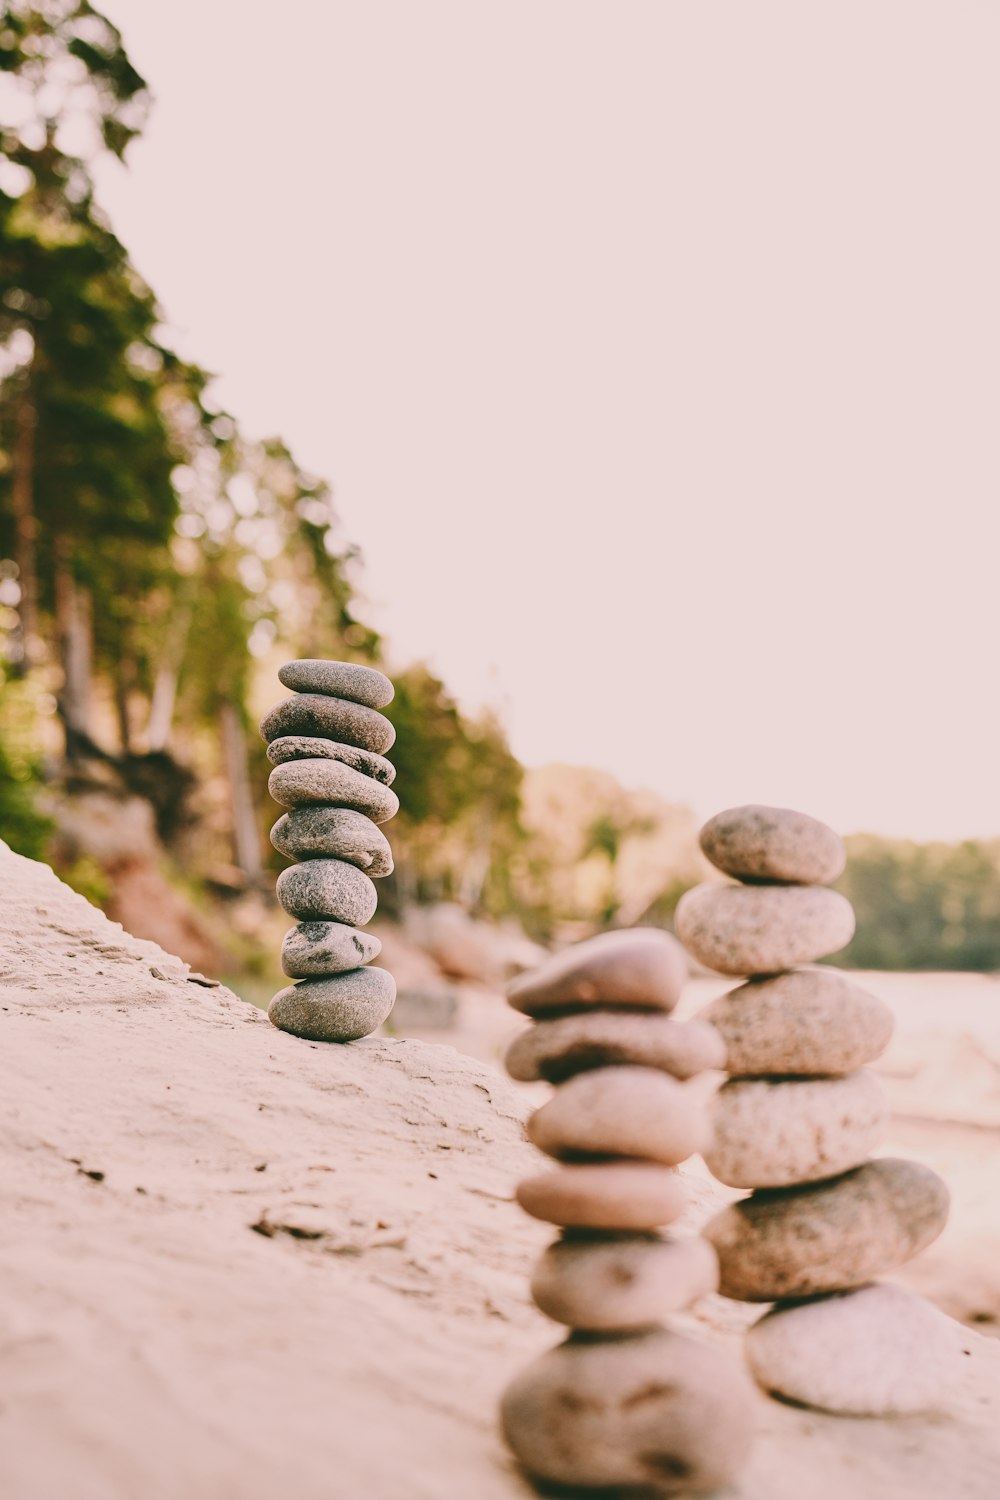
{"x": 624, "y": 1401}
{"x": 327, "y": 745}
{"x": 797, "y": 1122}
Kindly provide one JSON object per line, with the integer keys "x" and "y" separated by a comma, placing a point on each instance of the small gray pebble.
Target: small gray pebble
{"x": 333, "y": 833}
{"x": 310, "y": 747}
{"x": 330, "y": 719}
{"x": 299, "y": 783}
{"x": 327, "y": 890}
{"x": 339, "y": 1009}
{"x": 338, "y": 679}
{"x": 315, "y": 948}
{"x": 555, "y": 1050}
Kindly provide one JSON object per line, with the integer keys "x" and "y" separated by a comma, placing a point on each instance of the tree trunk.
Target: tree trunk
{"x": 161, "y": 707}
{"x": 22, "y": 495}
{"x": 74, "y": 630}
{"x": 125, "y": 675}
{"x": 246, "y": 834}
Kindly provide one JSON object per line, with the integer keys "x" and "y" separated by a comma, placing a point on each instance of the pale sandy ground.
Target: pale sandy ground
{"x": 236, "y": 1265}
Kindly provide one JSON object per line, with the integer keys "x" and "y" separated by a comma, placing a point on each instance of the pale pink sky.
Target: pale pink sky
{"x": 652, "y": 350}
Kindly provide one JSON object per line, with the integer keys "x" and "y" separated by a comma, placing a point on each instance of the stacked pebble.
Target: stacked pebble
{"x": 326, "y": 744}
{"x": 623, "y": 1401}
{"x": 797, "y": 1122}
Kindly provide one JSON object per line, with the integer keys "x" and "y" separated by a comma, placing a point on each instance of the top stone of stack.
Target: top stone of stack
{"x": 773, "y": 845}
{"x": 338, "y": 679}
{"x": 639, "y": 967}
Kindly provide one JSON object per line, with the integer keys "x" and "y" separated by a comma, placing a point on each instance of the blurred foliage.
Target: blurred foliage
{"x": 923, "y": 906}
{"x": 23, "y": 825}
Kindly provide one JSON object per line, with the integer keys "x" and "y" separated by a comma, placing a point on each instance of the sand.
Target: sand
{"x": 235, "y": 1264}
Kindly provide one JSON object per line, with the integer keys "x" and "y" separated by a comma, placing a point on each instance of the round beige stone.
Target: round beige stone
{"x": 657, "y": 1412}
{"x": 827, "y": 1236}
{"x": 773, "y": 844}
{"x": 341, "y": 1008}
{"x": 741, "y": 929}
{"x": 298, "y": 783}
{"x": 639, "y": 966}
{"x": 622, "y": 1281}
{"x": 605, "y": 1195}
{"x": 327, "y": 890}
{"x": 775, "y": 1133}
{"x": 808, "y": 1021}
{"x": 556, "y": 1050}
{"x": 622, "y": 1112}
{"x": 875, "y": 1352}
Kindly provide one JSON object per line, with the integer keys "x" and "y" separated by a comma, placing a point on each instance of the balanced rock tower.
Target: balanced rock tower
{"x": 624, "y": 1401}
{"x": 327, "y": 743}
{"x": 797, "y": 1122}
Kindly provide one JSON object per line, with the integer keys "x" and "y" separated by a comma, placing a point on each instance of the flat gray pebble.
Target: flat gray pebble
{"x": 330, "y": 719}
{"x": 327, "y": 890}
{"x": 757, "y": 843}
{"x": 333, "y": 833}
{"x": 316, "y": 948}
{"x": 311, "y": 747}
{"x": 555, "y": 1050}
{"x": 339, "y": 1009}
{"x": 654, "y": 1411}
{"x": 640, "y": 966}
{"x": 338, "y": 679}
{"x": 299, "y": 783}
{"x": 744, "y": 929}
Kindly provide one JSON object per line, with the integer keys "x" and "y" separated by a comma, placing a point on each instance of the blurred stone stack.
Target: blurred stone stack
{"x": 797, "y": 1122}
{"x": 326, "y": 743}
{"x": 623, "y": 1401}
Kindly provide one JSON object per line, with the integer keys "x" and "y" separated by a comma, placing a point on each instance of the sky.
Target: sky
{"x": 652, "y": 350}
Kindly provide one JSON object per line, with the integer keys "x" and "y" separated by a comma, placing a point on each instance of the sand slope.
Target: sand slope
{"x": 234, "y": 1264}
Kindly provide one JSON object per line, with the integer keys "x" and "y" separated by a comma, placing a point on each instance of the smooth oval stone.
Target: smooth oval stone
{"x": 774, "y": 1133}
{"x": 622, "y": 1281}
{"x": 828, "y": 1236}
{"x": 605, "y": 1195}
{"x": 742, "y": 929}
{"x": 329, "y": 719}
{"x": 338, "y": 679}
{"x": 298, "y": 783}
{"x": 333, "y": 833}
{"x": 639, "y": 966}
{"x": 310, "y": 747}
{"x": 773, "y": 843}
{"x": 327, "y": 890}
{"x": 558, "y": 1049}
{"x": 657, "y": 1413}
{"x": 875, "y": 1352}
{"x": 807, "y": 1021}
{"x": 314, "y": 948}
{"x": 621, "y": 1112}
{"x": 339, "y": 1009}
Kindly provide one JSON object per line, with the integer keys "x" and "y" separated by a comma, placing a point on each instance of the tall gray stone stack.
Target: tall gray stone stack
{"x": 797, "y": 1122}
{"x": 624, "y": 1402}
{"x": 327, "y": 745}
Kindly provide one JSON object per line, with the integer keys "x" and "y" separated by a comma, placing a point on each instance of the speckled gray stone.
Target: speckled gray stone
{"x": 639, "y": 966}
{"x": 774, "y": 1133}
{"x": 622, "y": 1281}
{"x": 329, "y": 719}
{"x": 756, "y": 843}
{"x": 315, "y": 948}
{"x": 655, "y": 1412}
{"x": 632, "y": 1112}
{"x": 301, "y": 783}
{"x": 605, "y": 1195}
{"x": 875, "y": 1352}
{"x": 337, "y": 679}
{"x": 327, "y": 890}
{"x": 333, "y": 833}
{"x": 828, "y": 1236}
{"x": 338, "y": 1009}
{"x": 311, "y": 747}
{"x": 741, "y": 929}
{"x": 558, "y": 1049}
{"x": 808, "y": 1021}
